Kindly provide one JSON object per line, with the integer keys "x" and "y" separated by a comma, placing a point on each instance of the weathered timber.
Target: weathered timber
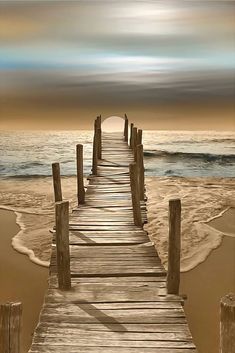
{"x": 95, "y": 149}
{"x": 140, "y": 167}
{"x": 139, "y": 137}
{"x": 118, "y": 302}
{"x": 173, "y": 275}
{"x": 126, "y": 127}
{"x": 131, "y": 135}
{"x": 134, "y": 139}
{"x": 80, "y": 180}
{"x": 62, "y": 245}
{"x": 227, "y": 324}
{"x": 99, "y": 138}
{"x": 10, "y": 327}
{"x": 56, "y": 182}
{"x": 135, "y": 195}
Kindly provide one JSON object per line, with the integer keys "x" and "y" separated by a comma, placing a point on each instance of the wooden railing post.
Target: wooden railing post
{"x": 56, "y": 182}
{"x": 95, "y": 150}
{"x": 80, "y": 180}
{"x": 140, "y": 166}
{"x": 173, "y": 274}
{"x": 227, "y": 324}
{"x": 126, "y": 129}
{"x": 62, "y": 245}
{"x": 139, "y": 137}
{"x": 10, "y": 327}
{"x": 135, "y": 195}
{"x": 135, "y": 142}
{"x": 131, "y": 135}
{"x": 99, "y": 137}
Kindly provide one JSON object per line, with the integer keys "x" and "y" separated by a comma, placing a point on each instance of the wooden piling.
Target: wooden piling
{"x": 10, "y": 327}
{"x": 126, "y": 129}
{"x": 173, "y": 275}
{"x": 135, "y": 142}
{"x": 56, "y": 182}
{"x": 99, "y": 138}
{"x": 140, "y": 166}
{"x": 135, "y": 195}
{"x": 95, "y": 150}
{"x": 131, "y": 135}
{"x": 62, "y": 245}
{"x": 227, "y": 324}
{"x": 80, "y": 180}
{"x": 139, "y": 137}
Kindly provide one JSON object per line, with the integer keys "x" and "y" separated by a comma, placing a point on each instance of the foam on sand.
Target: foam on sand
{"x": 203, "y": 199}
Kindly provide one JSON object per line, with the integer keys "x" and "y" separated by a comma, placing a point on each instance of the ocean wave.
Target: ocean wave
{"x": 206, "y": 157}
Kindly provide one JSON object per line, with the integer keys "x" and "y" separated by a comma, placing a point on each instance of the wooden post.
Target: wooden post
{"x": 56, "y": 182}
{"x": 140, "y": 166}
{"x": 95, "y": 151}
{"x": 126, "y": 129}
{"x": 62, "y": 245}
{"x": 173, "y": 275}
{"x": 131, "y": 135}
{"x": 135, "y": 195}
{"x": 139, "y": 137}
{"x": 10, "y": 326}
{"x": 80, "y": 180}
{"x": 99, "y": 137}
{"x": 134, "y": 139}
{"x": 227, "y": 324}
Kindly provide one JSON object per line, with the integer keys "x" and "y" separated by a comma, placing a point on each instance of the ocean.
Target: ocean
{"x": 198, "y": 167}
{"x": 167, "y": 153}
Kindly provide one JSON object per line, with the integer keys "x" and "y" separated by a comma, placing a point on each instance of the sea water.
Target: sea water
{"x": 198, "y": 167}
{"x": 175, "y": 153}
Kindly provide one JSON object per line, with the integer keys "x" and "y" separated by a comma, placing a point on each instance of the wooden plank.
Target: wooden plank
{"x": 118, "y": 302}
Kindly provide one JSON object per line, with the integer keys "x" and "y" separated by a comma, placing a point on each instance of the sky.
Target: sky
{"x": 167, "y": 64}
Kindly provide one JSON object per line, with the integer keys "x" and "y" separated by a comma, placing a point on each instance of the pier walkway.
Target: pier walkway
{"x": 118, "y": 301}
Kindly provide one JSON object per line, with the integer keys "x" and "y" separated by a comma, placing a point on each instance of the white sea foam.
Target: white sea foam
{"x": 203, "y": 199}
{"x": 32, "y": 201}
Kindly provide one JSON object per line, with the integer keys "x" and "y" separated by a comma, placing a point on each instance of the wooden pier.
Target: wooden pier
{"x": 108, "y": 291}
{"x": 113, "y": 293}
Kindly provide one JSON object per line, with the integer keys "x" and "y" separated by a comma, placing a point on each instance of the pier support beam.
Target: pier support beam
{"x": 10, "y": 327}
{"x": 173, "y": 275}
{"x": 80, "y": 180}
{"x": 139, "y": 137}
{"x": 95, "y": 150}
{"x": 62, "y": 245}
{"x": 227, "y": 324}
{"x": 135, "y": 195}
{"x": 126, "y": 129}
{"x": 140, "y": 166}
{"x": 56, "y": 182}
{"x": 134, "y": 139}
{"x": 131, "y": 135}
{"x": 99, "y": 138}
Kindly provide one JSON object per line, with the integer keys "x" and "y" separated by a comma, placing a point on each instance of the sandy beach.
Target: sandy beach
{"x": 207, "y": 283}
{"x": 21, "y": 280}
{"x": 207, "y": 274}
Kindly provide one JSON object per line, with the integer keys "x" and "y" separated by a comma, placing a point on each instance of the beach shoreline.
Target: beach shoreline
{"x": 21, "y": 280}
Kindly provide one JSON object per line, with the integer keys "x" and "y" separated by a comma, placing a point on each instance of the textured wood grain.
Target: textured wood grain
{"x": 80, "y": 178}
{"x": 118, "y": 301}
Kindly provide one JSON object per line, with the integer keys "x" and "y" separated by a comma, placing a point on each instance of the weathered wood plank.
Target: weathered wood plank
{"x": 118, "y": 301}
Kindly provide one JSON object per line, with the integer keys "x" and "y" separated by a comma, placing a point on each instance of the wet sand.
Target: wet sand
{"x": 207, "y": 283}
{"x": 21, "y": 280}
{"x": 204, "y": 285}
